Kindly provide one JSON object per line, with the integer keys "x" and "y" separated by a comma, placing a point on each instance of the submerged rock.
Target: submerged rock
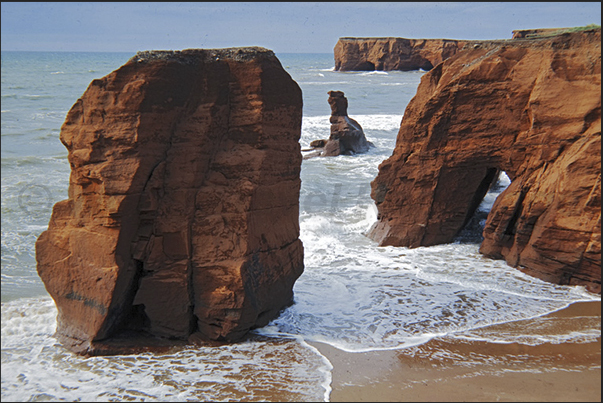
{"x": 530, "y": 108}
{"x": 182, "y": 216}
{"x": 347, "y": 136}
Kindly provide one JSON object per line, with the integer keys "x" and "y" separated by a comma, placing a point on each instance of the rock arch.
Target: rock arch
{"x": 529, "y": 108}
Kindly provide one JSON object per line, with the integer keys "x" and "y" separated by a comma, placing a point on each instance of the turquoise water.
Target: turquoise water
{"x": 353, "y": 294}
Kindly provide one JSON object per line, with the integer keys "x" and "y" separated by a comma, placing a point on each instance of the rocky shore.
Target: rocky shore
{"x": 182, "y": 221}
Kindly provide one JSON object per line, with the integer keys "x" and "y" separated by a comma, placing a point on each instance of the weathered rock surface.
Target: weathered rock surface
{"x": 530, "y": 108}
{"x": 386, "y": 54}
{"x": 182, "y": 216}
{"x": 541, "y": 32}
{"x": 347, "y": 136}
{"x": 531, "y": 33}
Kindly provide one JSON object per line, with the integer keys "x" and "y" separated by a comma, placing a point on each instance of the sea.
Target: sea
{"x": 353, "y": 294}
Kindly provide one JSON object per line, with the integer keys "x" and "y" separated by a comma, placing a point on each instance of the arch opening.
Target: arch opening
{"x": 474, "y": 224}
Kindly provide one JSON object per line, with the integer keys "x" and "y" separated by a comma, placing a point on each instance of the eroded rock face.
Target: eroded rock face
{"x": 529, "y": 108}
{"x": 387, "y": 54}
{"x": 182, "y": 216}
{"x": 531, "y": 33}
{"x": 347, "y": 136}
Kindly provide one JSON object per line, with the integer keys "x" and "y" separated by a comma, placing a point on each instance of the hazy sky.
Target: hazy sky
{"x": 306, "y": 27}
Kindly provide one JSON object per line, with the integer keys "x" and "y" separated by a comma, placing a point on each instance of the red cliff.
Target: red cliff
{"x": 530, "y": 108}
{"x": 386, "y": 54}
{"x": 182, "y": 216}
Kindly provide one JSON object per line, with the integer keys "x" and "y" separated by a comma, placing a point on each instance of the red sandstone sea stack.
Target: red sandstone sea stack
{"x": 182, "y": 216}
{"x": 531, "y": 108}
{"x": 347, "y": 136}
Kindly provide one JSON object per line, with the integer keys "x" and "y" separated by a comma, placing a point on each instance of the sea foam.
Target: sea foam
{"x": 35, "y": 366}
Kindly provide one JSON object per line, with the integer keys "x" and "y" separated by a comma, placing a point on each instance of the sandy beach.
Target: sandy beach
{"x": 447, "y": 369}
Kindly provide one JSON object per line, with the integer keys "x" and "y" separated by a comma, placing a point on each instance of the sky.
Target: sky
{"x": 284, "y": 27}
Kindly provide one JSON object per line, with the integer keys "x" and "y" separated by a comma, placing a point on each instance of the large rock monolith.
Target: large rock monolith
{"x": 182, "y": 216}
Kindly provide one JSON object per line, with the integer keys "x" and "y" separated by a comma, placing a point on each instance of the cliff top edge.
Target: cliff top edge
{"x": 239, "y": 54}
{"x": 553, "y": 31}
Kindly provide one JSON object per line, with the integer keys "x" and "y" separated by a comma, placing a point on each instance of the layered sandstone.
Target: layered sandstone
{"x": 386, "y": 54}
{"x": 532, "y": 33}
{"x": 530, "y": 108}
{"x": 542, "y": 32}
{"x": 182, "y": 216}
{"x": 347, "y": 136}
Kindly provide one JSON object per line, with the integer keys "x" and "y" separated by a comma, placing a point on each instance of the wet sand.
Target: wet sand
{"x": 448, "y": 369}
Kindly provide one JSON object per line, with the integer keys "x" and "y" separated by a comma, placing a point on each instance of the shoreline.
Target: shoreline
{"x": 453, "y": 369}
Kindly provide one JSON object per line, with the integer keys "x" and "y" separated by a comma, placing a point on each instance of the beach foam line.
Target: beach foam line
{"x": 326, "y": 371}
{"x": 258, "y": 369}
{"x": 372, "y": 73}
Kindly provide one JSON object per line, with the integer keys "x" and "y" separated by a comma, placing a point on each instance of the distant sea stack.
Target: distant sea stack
{"x": 182, "y": 216}
{"x": 387, "y": 54}
{"x": 530, "y": 108}
{"x": 347, "y": 136}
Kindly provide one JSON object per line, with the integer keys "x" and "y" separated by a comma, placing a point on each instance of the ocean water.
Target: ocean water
{"x": 353, "y": 295}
